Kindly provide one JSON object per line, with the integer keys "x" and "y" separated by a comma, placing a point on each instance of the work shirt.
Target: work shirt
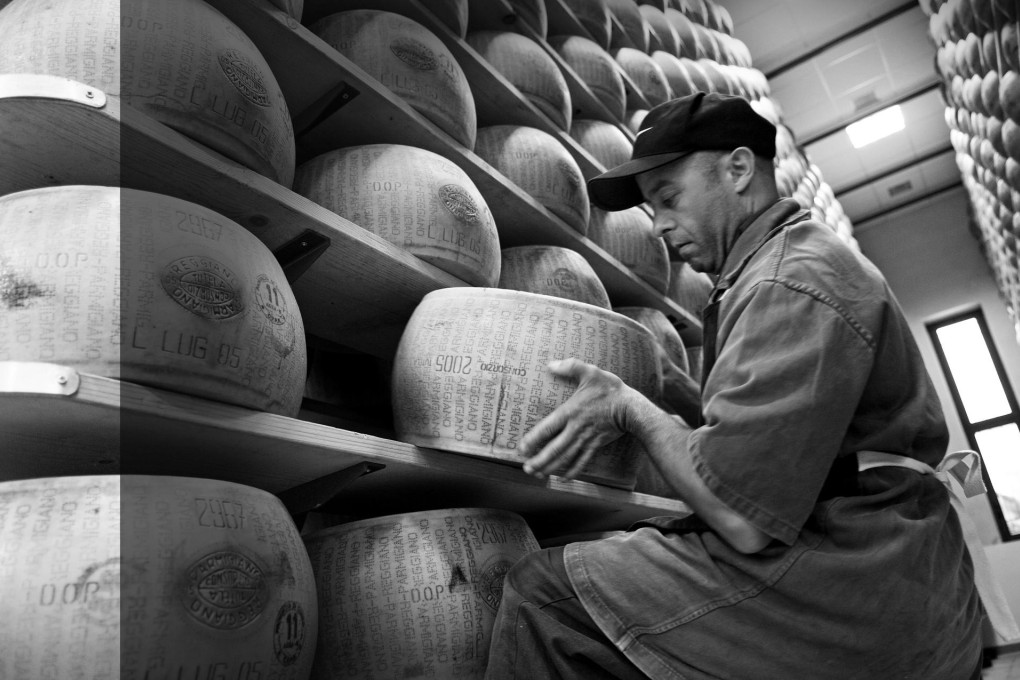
{"x": 867, "y": 575}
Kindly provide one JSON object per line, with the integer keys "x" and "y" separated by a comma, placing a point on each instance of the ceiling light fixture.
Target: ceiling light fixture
{"x": 876, "y": 126}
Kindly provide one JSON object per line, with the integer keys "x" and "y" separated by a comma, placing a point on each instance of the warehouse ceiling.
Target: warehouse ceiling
{"x": 832, "y": 62}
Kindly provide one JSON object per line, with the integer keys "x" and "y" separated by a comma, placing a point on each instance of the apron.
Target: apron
{"x": 960, "y": 472}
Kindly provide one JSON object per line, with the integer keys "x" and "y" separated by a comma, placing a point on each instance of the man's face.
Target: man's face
{"x": 692, "y": 208}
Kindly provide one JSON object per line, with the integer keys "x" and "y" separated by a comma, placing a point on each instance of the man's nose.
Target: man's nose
{"x": 662, "y": 225}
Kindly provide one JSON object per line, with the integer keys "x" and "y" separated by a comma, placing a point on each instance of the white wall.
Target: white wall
{"x": 935, "y": 267}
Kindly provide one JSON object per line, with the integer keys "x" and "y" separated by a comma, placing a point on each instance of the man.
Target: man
{"x": 795, "y": 565}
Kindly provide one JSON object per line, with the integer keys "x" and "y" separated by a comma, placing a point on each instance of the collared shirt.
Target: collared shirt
{"x": 812, "y": 361}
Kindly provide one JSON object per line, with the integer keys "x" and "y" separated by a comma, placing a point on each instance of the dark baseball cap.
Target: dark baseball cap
{"x": 674, "y": 129}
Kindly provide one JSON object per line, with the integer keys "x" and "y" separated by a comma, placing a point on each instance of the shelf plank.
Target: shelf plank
{"x": 339, "y": 295}
{"x": 163, "y": 433}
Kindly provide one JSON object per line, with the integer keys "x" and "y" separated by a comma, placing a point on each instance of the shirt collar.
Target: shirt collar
{"x": 754, "y": 232}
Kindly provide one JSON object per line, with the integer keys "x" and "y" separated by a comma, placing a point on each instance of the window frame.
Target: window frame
{"x": 971, "y": 429}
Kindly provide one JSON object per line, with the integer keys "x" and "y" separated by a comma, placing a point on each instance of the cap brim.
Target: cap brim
{"x": 617, "y": 189}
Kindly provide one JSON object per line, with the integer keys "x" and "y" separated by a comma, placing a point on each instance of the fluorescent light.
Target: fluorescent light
{"x": 876, "y": 126}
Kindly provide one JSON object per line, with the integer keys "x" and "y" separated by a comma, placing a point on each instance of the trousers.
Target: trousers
{"x": 542, "y": 631}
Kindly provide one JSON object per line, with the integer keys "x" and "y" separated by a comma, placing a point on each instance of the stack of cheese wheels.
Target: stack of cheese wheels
{"x": 665, "y": 333}
{"x": 534, "y": 14}
{"x": 540, "y": 165}
{"x": 635, "y": 31}
{"x": 628, "y": 236}
{"x": 152, "y": 577}
{"x": 149, "y": 289}
{"x": 595, "y": 67}
{"x": 605, "y": 141}
{"x": 527, "y": 67}
{"x": 645, "y": 73}
{"x": 662, "y": 35}
{"x": 415, "y": 199}
{"x": 978, "y": 59}
{"x": 470, "y": 374}
{"x": 213, "y": 84}
{"x": 595, "y": 18}
{"x": 552, "y": 270}
{"x": 413, "y": 595}
{"x": 411, "y": 61}
{"x": 688, "y": 288}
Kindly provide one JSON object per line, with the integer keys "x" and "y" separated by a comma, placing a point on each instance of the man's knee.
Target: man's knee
{"x": 539, "y": 577}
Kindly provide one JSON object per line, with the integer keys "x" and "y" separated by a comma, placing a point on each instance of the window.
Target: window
{"x": 987, "y": 407}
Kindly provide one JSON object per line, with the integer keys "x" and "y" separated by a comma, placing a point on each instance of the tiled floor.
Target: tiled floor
{"x": 1006, "y": 667}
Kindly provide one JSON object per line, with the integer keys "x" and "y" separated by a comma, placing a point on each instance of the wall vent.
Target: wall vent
{"x": 902, "y": 187}
{"x": 865, "y": 101}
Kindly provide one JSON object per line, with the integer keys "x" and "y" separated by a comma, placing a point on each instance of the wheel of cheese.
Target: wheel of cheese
{"x": 1010, "y": 48}
{"x": 696, "y": 10}
{"x": 635, "y": 28}
{"x": 161, "y": 577}
{"x": 541, "y": 166}
{"x": 708, "y": 45}
{"x": 433, "y": 580}
{"x": 595, "y": 17}
{"x": 685, "y": 32}
{"x": 716, "y": 76}
{"x": 627, "y": 235}
{"x": 634, "y": 119}
{"x": 724, "y": 19}
{"x": 645, "y": 73}
{"x": 662, "y": 34}
{"x": 534, "y": 14}
{"x": 1009, "y": 95}
{"x": 680, "y": 83}
{"x": 696, "y": 74}
{"x": 152, "y": 290}
{"x": 212, "y": 84}
{"x": 470, "y": 374}
{"x": 990, "y": 94}
{"x": 688, "y": 288}
{"x": 552, "y": 270}
{"x": 528, "y": 68}
{"x": 411, "y": 61}
{"x": 414, "y": 198}
{"x": 665, "y": 333}
{"x": 605, "y": 141}
{"x": 595, "y": 67}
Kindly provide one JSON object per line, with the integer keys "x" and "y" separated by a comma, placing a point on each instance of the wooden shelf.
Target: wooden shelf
{"x": 55, "y": 421}
{"x": 51, "y": 138}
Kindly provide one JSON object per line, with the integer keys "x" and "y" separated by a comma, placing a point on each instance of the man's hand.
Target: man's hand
{"x": 595, "y": 415}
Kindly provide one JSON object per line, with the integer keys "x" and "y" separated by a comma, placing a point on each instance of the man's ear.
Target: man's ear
{"x": 740, "y": 168}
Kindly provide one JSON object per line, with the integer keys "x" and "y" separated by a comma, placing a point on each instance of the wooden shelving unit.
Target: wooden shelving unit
{"x": 358, "y": 293}
{"x": 349, "y": 107}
